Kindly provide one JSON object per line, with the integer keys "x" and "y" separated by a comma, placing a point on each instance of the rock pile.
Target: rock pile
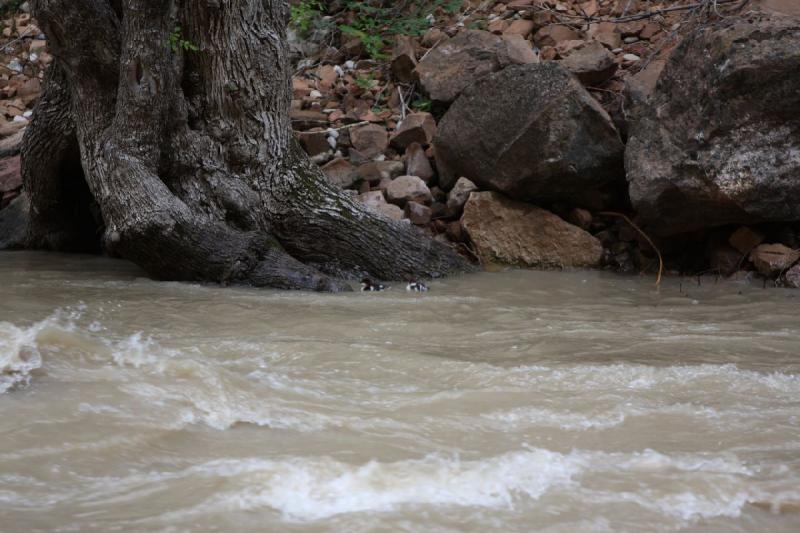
{"x": 23, "y": 58}
{"x": 509, "y": 127}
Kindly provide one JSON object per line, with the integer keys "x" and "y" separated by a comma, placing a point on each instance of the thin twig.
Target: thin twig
{"x": 643, "y": 234}
{"x": 402, "y": 103}
{"x": 345, "y": 127}
{"x": 639, "y": 16}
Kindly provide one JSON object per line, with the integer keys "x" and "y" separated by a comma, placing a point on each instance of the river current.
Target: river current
{"x": 513, "y": 401}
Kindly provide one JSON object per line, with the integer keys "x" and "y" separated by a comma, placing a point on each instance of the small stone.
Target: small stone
{"x": 792, "y": 277}
{"x": 404, "y": 60}
{"x": 418, "y": 214}
{"x": 372, "y": 198}
{"x": 375, "y": 171}
{"x": 459, "y": 194}
{"x": 417, "y": 163}
{"x": 522, "y": 27}
{"x": 314, "y": 142}
{"x": 408, "y": 188}
{"x": 580, "y": 217}
{"x": 416, "y": 127}
{"x": 630, "y": 58}
{"x": 592, "y": 64}
{"x": 370, "y": 140}
{"x": 340, "y": 173}
{"x": 553, "y": 34}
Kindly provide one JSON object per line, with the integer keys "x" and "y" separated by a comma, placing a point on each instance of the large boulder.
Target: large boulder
{"x": 531, "y": 132}
{"x": 718, "y": 141}
{"x": 508, "y": 232}
{"x": 456, "y": 63}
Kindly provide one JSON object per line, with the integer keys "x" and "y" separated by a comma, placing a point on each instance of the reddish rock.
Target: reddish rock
{"x": 340, "y": 173}
{"x": 415, "y": 128}
{"x": 327, "y": 77}
{"x": 554, "y": 34}
{"x": 404, "y": 60}
{"x": 417, "y": 163}
{"x": 520, "y": 27}
{"x": 314, "y": 142}
{"x": 375, "y": 171}
{"x": 592, "y": 64}
{"x": 407, "y": 189}
{"x": 370, "y": 140}
{"x": 649, "y": 30}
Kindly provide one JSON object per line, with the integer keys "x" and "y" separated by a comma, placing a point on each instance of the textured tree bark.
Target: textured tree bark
{"x": 189, "y": 154}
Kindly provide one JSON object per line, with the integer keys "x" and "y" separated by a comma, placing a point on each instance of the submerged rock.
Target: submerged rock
{"x": 509, "y": 232}
{"x": 718, "y": 142}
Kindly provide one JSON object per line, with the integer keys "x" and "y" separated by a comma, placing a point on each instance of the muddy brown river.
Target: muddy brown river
{"x": 514, "y": 401}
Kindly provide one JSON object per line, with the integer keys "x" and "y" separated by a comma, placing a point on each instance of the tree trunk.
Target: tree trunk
{"x": 190, "y": 155}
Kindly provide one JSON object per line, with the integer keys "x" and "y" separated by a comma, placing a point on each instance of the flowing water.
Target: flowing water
{"x": 516, "y": 401}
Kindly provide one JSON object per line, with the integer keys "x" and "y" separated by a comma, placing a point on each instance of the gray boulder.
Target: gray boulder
{"x": 718, "y": 141}
{"x": 531, "y": 132}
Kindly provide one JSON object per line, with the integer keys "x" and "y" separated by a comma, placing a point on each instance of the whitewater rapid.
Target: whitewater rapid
{"x": 517, "y": 401}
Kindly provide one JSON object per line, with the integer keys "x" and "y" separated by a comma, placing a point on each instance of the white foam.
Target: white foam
{"x": 304, "y": 489}
{"x": 19, "y": 353}
{"x": 318, "y": 488}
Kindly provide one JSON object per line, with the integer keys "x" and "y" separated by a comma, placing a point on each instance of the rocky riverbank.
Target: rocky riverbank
{"x": 541, "y": 133}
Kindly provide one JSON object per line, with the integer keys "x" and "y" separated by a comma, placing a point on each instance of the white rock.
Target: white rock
{"x": 630, "y": 57}
{"x": 315, "y": 94}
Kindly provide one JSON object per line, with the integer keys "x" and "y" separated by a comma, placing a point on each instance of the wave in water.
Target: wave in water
{"x": 19, "y": 353}
{"x": 681, "y": 488}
